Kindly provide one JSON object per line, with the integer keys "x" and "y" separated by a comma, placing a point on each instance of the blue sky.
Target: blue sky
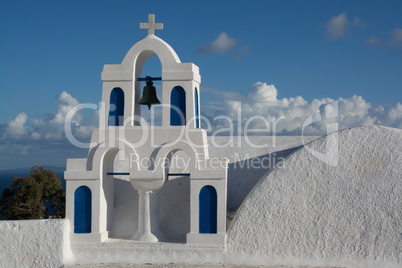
{"x": 322, "y": 51}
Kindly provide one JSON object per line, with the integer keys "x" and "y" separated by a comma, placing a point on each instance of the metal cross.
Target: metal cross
{"x": 151, "y": 25}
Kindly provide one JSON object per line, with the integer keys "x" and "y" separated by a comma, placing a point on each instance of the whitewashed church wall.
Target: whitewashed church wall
{"x": 34, "y": 243}
{"x": 311, "y": 213}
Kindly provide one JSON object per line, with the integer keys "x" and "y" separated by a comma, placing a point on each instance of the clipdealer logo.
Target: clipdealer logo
{"x": 326, "y": 112}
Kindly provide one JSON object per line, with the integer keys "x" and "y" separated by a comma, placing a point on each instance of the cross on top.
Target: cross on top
{"x": 151, "y": 25}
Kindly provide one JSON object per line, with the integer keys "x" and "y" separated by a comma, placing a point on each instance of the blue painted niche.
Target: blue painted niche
{"x": 82, "y": 210}
{"x": 208, "y": 210}
{"x": 178, "y": 106}
{"x": 197, "y": 110}
{"x": 116, "y": 107}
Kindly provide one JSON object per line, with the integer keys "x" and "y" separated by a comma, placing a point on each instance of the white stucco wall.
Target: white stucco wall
{"x": 250, "y": 158}
{"x": 314, "y": 214}
{"x": 34, "y": 243}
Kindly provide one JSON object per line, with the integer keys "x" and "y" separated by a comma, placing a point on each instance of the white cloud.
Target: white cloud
{"x": 339, "y": 26}
{"x": 223, "y": 44}
{"x": 395, "y": 40}
{"x": 17, "y": 128}
{"x": 261, "y": 100}
{"x": 220, "y": 95}
{"x": 50, "y": 127}
{"x": 396, "y": 37}
{"x": 395, "y": 115}
{"x": 261, "y": 92}
{"x": 373, "y": 41}
{"x": 357, "y": 22}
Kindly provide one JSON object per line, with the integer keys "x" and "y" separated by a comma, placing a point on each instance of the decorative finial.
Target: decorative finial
{"x": 151, "y": 25}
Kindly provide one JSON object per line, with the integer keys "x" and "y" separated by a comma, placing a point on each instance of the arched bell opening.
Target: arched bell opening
{"x": 178, "y": 106}
{"x": 82, "y": 210}
{"x": 153, "y": 68}
{"x": 174, "y": 197}
{"x": 116, "y": 107}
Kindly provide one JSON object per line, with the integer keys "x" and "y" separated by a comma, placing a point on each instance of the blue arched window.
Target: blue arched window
{"x": 116, "y": 107}
{"x": 208, "y": 210}
{"x": 197, "y": 110}
{"x": 177, "y": 106}
{"x": 82, "y": 210}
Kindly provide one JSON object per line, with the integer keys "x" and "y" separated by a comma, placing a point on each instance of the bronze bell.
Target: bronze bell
{"x": 149, "y": 94}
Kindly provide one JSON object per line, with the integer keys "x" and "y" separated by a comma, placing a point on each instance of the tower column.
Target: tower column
{"x": 144, "y": 218}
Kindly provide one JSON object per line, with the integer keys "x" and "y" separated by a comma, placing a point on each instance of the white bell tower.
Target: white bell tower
{"x": 90, "y": 189}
